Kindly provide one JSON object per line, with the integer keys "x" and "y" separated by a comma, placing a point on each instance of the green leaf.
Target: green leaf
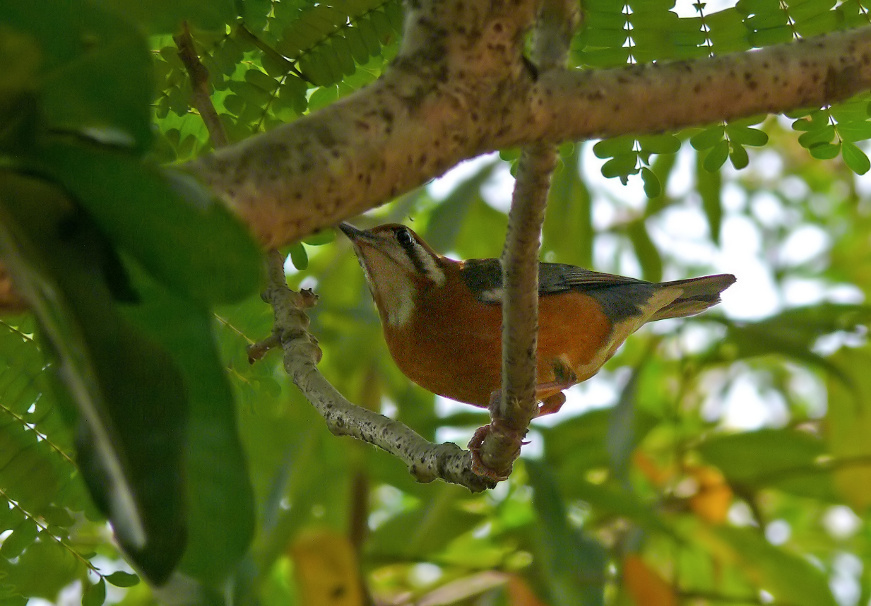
{"x": 319, "y": 238}
{"x": 646, "y": 251}
{"x": 568, "y": 224}
{"x": 299, "y": 256}
{"x": 771, "y": 36}
{"x": 130, "y": 438}
{"x": 708, "y": 138}
{"x": 610, "y": 148}
{"x": 794, "y": 332}
{"x": 825, "y": 151}
{"x": 659, "y": 144}
{"x": 717, "y": 156}
{"x": 622, "y": 437}
{"x": 745, "y": 135}
{"x": 570, "y": 562}
{"x": 317, "y": 69}
{"x": 854, "y": 131}
{"x": 709, "y": 185}
{"x": 652, "y": 186}
{"x": 122, "y": 579}
{"x": 234, "y": 104}
{"x": 848, "y": 424}
{"x": 356, "y": 44}
{"x": 261, "y": 80}
{"x": 855, "y": 158}
{"x": 95, "y": 594}
{"x": 161, "y": 217}
{"x": 22, "y": 537}
{"x": 412, "y": 534}
{"x": 580, "y": 443}
{"x": 165, "y": 16}
{"x": 771, "y": 458}
{"x": 342, "y": 50}
{"x": 620, "y": 166}
{"x": 738, "y": 156}
{"x": 606, "y": 57}
{"x": 817, "y": 136}
{"x": 293, "y": 92}
{"x": 812, "y": 121}
{"x": 83, "y": 54}
{"x": 219, "y": 495}
{"x": 42, "y": 571}
{"x": 789, "y": 578}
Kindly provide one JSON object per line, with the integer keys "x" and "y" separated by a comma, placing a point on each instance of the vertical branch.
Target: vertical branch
{"x": 199, "y": 76}
{"x": 498, "y": 445}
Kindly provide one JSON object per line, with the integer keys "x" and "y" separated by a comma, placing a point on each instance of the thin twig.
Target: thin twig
{"x": 426, "y": 461}
{"x": 288, "y": 65}
{"x": 199, "y": 76}
{"x": 498, "y": 445}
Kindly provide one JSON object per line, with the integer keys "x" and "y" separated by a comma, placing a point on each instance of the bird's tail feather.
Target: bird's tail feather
{"x": 698, "y": 295}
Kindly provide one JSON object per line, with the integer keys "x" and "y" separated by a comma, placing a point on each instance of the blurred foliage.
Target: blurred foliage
{"x": 646, "y": 489}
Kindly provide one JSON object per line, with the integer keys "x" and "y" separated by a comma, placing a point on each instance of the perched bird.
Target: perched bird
{"x": 442, "y": 318}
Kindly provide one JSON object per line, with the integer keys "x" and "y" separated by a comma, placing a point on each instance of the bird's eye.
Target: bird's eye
{"x": 404, "y": 238}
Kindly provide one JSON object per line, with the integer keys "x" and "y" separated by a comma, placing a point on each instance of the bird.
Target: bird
{"x": 442, "y": 318}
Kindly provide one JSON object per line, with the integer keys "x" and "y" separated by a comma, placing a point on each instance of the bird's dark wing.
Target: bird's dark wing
{"x": 619, "y": 296}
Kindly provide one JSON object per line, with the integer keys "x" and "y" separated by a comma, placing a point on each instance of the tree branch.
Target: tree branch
{"x": 461, "y": 89}
{"x": 199, "y": 75}
{"x": 498, "y": 445}
{"x": 426, "y": 461}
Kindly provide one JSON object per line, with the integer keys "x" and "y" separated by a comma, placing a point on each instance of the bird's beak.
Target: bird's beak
{"x": 352, "y": 232}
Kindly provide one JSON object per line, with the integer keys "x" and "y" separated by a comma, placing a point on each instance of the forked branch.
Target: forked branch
{"x": 426, "y": 461}
{"x": 498, "y": 445}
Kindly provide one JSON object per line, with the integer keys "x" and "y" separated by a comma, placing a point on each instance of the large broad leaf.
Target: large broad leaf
{"x": 794, "y": 332}
{"x": 182, "y": 235}
{"x": 166, "y": 16}
{"x": 124, "y": 388}
{"x": 849, "y": 426}
{"x": 785, "y": 459}
{"x": 413, "y": 534}
{"x": 572, "y": 564}
{"x": 789, "y": 578}
{"x": 219, "y": 495}
{"x": 92, "y": 71}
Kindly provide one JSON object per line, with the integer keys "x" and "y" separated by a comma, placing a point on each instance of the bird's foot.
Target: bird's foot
{"x": 508, "y": 448}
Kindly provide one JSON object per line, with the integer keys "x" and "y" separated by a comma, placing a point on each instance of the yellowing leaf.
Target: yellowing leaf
{"x": 326, "y": 569}
{"x": 650, "y": 469}
{"x": 645, "y": 585}
{"x": 520, "y": 593}
{"x": 713, "y": 497}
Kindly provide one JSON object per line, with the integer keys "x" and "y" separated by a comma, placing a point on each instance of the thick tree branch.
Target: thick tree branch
{"x": 667, "y": 96}
{"x": 458, "y": 90}
{"x": 498, "y": 445}
{"x": 426, "y": 461}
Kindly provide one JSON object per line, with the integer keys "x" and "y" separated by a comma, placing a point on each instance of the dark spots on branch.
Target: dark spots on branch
{"x": 750, "y": 81}
{"x": 594, "y": 96}
{"x": 840, "y": 83}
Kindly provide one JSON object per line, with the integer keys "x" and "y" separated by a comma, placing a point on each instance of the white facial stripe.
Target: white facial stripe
{"x": 433, "y": 271}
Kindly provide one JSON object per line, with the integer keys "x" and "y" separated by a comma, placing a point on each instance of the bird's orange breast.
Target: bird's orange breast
{"x": 452, "y": 345}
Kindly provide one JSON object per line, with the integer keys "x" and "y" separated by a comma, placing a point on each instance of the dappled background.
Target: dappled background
{"x": 719, "y": 459}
